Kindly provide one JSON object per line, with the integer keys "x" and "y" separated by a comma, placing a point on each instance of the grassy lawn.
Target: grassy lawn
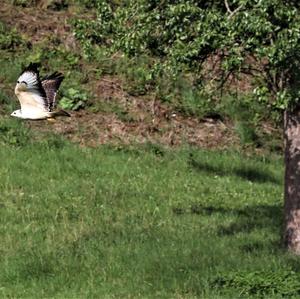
{"x": 138, "y": 222}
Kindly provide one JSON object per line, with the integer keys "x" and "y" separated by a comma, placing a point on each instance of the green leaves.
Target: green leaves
{"x": 9, "y": 39}
{"x": 261, "y": 38}
{"x": 73, "y": 99}
{"x": 264, "y": 37}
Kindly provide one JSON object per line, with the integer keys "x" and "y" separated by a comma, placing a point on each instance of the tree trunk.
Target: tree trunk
{"x": 292, "y": 180}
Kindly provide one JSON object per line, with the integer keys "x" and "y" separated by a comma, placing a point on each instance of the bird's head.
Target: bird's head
{"x": 21, "y": 86}
{"x": 17, "y": 113}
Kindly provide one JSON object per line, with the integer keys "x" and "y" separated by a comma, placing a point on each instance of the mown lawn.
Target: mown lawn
{"x": 139, "y": 222}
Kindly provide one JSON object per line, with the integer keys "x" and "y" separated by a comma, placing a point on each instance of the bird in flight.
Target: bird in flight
{"x": 37, "y": 96}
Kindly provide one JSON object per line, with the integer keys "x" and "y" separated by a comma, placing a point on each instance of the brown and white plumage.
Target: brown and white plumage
{"x": 51, "y": 85}
{"x": 37, "y": 96}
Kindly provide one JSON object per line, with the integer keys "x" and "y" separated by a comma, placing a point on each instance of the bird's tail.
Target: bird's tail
{"x": 60, "y": 113}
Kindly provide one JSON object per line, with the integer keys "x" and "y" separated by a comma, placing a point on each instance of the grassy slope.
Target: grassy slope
{"x": 133, "y": 222}
{"x": 122, "y": 105}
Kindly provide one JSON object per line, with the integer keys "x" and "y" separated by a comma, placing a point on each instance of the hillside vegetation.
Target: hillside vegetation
{"x": 128, "y": 95}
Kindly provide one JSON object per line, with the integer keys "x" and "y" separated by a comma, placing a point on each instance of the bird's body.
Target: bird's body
{"x": 37, "y": 96}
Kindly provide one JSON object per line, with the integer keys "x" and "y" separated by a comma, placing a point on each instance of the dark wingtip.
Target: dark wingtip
{"x": 55, "y": 76}
{"x": 32, "y": 67}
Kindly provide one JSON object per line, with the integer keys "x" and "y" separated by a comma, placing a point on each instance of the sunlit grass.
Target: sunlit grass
{"x": 134, "y": 222}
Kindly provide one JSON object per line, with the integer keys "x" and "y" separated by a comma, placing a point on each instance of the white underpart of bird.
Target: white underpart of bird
{"x": 37, "y": 96}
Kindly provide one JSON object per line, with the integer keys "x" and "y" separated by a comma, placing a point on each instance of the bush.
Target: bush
{"x": 9, "y": 39}
{"x": 73, "y": 99}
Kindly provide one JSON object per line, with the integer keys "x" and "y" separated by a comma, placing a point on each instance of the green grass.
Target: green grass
{"x": 136, "y": 221}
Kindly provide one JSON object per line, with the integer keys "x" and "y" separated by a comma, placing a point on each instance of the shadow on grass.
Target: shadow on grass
{"x": 249, "y": 173}
{"x": 248, "y": 219}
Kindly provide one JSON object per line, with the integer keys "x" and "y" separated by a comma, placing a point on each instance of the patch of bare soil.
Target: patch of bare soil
{"x": 142, "y": 119}
{"x": 145, "y": 120}
{"x": 39, "y": 23}
{"x": 93, "y": 129}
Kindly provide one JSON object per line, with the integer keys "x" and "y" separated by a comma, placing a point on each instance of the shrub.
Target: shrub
{"x": 9, "y": 39}
{"x": 73, "y": 99}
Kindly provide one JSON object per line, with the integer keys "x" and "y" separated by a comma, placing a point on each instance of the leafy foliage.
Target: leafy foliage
{"x": 59, "y": 55}
{"x": 9, "y": 39}
{"x": 160, "y": 29}
{"x": 73, "y": 99}
{"x": 260, "y": 38}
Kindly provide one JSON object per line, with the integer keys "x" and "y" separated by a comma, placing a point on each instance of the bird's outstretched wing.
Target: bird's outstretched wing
{"x": 50, "y": 85}
{"x": 34, "y": 97}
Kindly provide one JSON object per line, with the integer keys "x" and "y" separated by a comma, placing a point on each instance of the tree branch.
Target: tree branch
{"x": 227, "y": 7}
{"x": 231, "y": 12}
